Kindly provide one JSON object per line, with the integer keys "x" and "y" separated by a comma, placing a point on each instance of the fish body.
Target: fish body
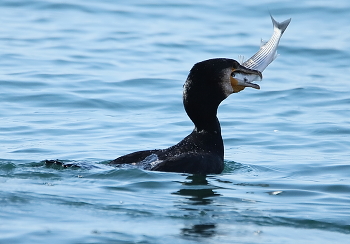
{"x": 266, "y": 54}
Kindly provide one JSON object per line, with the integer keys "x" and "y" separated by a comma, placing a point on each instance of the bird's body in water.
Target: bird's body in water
{"x": 201, "y": 152}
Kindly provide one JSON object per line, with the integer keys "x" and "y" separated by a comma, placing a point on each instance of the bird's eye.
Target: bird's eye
{"x": 233, "y": 74}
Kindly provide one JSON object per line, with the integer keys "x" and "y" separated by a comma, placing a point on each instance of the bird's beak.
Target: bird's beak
{"x": 242, "y": 77}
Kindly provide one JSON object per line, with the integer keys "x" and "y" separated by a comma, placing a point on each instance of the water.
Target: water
{"x": 88, "y": 81}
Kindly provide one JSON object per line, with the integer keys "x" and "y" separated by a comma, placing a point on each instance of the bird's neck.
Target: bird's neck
{"x": 201, "y": 99}
{"x": 211, "y": 126}
{"x": 203, "y": 115}
{"x": 207, "y": 129}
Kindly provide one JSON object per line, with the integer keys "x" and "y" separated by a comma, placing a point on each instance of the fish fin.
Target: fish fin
{"x": 262, "y": 42}
{"x": 281, "y": 26}
{"x": 240, "y": 59}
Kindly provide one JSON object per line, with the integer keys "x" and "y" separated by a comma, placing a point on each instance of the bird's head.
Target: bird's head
{"x": 218, "y": 78}
{"x": 208, "y": 84}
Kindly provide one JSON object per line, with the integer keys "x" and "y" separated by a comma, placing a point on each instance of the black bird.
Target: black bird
{"x": 201, "y": 152}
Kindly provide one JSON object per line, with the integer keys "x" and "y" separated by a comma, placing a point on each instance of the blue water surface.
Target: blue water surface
{"x": 88, "y": 81}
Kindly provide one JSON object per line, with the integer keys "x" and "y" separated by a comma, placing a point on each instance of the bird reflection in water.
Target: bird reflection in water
{"x": 200, "y": 230}
{"x": 199, "y": 195}
{"x": 197, "y": 190}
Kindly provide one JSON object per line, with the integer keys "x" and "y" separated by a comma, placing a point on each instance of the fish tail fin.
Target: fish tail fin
{"x": 281, "y": 26}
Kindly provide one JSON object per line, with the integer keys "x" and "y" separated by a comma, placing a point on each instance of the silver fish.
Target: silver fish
{"x": 266, "y": 54}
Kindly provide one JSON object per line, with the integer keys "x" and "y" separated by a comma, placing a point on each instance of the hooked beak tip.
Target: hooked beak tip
{"x": 248, "y": 71}
{"x": 245, "y": 76}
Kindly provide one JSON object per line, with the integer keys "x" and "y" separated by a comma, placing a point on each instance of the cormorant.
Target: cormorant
{"x": 201, "y": 152}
